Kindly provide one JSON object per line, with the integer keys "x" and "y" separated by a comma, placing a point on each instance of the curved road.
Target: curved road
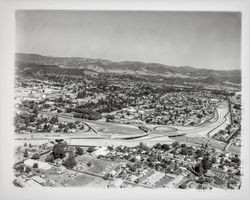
{"x": 102, "y": 133}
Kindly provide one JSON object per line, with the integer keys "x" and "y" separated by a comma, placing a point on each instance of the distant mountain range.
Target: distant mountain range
{"x": 131, "y": 67}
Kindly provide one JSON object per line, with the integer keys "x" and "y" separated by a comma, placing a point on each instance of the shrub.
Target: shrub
{"x": 89, "y": 164}
{"x": 35, "y": 156}
{"x": 35, "y": 165}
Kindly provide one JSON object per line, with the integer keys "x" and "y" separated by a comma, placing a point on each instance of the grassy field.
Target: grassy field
{"x": 79, "y": 181}
{"x": 98, "y": 166}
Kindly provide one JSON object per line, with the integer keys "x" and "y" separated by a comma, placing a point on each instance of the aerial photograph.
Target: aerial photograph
{"x": 127, "y": 99}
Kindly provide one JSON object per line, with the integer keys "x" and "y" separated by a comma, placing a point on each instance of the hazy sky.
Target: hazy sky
{"x": 197, "y": 39}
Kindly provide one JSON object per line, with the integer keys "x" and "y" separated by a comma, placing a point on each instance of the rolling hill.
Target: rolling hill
{"x": 130, "y": 67}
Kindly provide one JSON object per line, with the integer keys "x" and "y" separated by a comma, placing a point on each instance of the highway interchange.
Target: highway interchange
{"x": 99, "y": 133}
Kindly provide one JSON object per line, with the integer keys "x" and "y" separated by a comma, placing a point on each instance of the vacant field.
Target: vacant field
{"x": 97, "y": 166}
{"x": 79, "y": 181}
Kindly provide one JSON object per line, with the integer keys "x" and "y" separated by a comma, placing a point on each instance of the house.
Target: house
{"x": 60, "y": 170}
{"x": 58, "y": 161}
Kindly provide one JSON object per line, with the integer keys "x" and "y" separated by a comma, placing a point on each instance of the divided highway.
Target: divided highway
{"x": 103, "y": 133}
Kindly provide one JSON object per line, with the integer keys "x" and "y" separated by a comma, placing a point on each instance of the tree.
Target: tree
{"x": 206, "y": 164}
{"x": 184, "y": 151}
{"x": 26, "y": 154}
{"x": 90, "y": 149}
{"x": 110, "y": 148}
{"x": 79, "y": 151}
{"x": 151, "y": 164}
{"x": 199, "y": 153}
{"x": 201, "y": 180}
{"x": 151, "y": 158}
{"x": 165, "y": 147}
{"x": 71, "y": 125}
{"x": 35, "y": 156}
{"x": 50, "y": 158}
{"x": 35, "y": 165}
{"x": 213, "y": 160}
{"x": 66, "y": 129}
{"x": 53, "y": 120}
{"x": 158, "y": 167}
{"x": 176, "y": 144}
{"x": 59, "y": 150}
{"x": 133, "y": 168}
{"x": 183, "y": 186}
{"x": 89, "y": 164}
{"x": 19, "y": 167}
{"x": 236, "y": 159}
{"x": 199, "y": 115}
{"x": 27, "y": 170}
{"x": 81, "y": 94}
{"x": 190, "y": 152}
{"x": 143, "y": 146}
{"x": 199, "y": 169}
{"x": 70, "y": 162}
{"x": 110, "y": 118}
{"x": 46, "y": 128}
{"x": 157, "y": 146}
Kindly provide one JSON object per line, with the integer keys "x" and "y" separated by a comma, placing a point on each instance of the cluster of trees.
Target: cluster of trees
{"x": 53, "y": 120}
{"x": 237, "y": 106}
{"x": 28, "y": 118}
{"x": 35, "y": 156}
{"x": 236, "y": 159}
{"x": 25, "y": 118}
{"x": 90, "y": 149}
{"x": 59, "y": 151}
{"x": 219, "y": 92}
{"x": 110, "y": 118}
{"x": 111, "y": 103}
{"x": 30, "y": 104}
{"x": 203, "y": 166}
{"x": 206, "y": 162}
{"x": 47, "y": 124}
{"x": 26, "y": 153}
{"x": 70, "y": 162}
{"x": 79, "y": 151}
{"x": 165, "y": 147}
{"x": 86, "y": 113}
{"x": 81, "y": 94}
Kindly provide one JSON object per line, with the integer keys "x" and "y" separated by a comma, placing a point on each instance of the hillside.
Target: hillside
{"x": 130, "y": 67}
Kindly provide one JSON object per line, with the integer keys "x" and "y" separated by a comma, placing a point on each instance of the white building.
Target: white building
{"x": 41, "y": 165}
{"x": 101, "y": 151}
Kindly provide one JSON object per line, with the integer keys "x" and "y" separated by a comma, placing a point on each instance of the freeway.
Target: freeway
{"x": 202, "y": 134}
{"x": 103, "y": 133}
